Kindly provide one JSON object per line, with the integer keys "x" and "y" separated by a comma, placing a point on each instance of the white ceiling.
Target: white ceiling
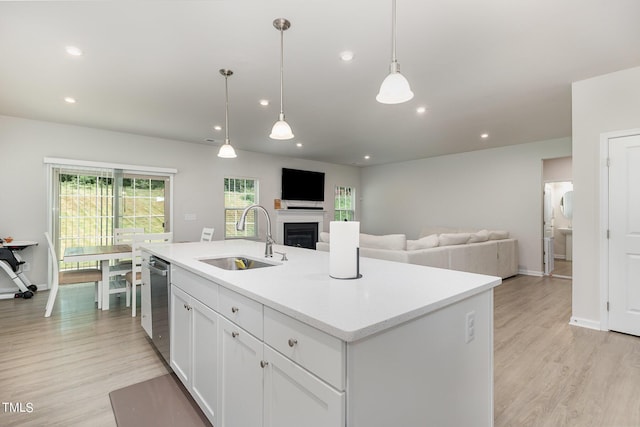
{"x": 503, "y": 67}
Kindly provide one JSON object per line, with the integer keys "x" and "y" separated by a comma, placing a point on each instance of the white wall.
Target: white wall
{"x": 497, "y": 188}
{"x": 602, "y": 104}
{"x": 198, "y": 186}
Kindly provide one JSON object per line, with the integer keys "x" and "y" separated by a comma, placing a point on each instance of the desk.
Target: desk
{"x": 104, "y": 254}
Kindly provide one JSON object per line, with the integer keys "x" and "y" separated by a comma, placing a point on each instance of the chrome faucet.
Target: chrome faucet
{"x": 268, "y": 249}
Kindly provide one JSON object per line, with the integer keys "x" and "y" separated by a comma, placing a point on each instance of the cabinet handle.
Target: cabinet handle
{"x": 263, "y": 363}
{"x": 235, "y": 334}
{"x": 234, "y": 309}
{"x": 292, "y": 342}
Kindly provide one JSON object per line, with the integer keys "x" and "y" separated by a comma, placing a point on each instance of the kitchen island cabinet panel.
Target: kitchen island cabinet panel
{"x": 204, "y": 377}
{"x": 294, "y": 397}
{"x": 424, "y": 373}
{"x": 240, "y": 377}
{"x": 181, "y": 335}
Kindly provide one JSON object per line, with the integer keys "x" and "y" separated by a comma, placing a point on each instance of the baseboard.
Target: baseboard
{"x": 585, "y": 323}
{"x": 531, "y": 273}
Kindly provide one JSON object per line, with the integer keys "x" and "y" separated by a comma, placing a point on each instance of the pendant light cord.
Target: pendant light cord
{"x": 393, "y": 30}
{"x": 281, "y": 71}
{"x": 226, "y": 109}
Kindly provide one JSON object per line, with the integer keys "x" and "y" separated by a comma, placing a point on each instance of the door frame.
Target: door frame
{"x": 605, "y": 139}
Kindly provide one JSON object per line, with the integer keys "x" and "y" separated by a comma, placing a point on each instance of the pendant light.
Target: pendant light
{"x": 395, "y": 87}
{"x": 281, "y": 129}
{"x": 226, "y": 150}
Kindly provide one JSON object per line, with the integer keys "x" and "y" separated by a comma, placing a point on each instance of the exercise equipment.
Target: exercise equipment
{"x": 11, "y": 263}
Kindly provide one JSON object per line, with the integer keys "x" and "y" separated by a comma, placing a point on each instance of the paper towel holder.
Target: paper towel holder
{"x": 358, "y": 275}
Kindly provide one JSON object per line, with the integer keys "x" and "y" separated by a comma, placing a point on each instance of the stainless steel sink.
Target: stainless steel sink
{"x": 237, "y": 263}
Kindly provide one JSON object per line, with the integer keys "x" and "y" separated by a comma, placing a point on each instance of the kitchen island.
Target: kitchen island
{"x": 286, "y": 345}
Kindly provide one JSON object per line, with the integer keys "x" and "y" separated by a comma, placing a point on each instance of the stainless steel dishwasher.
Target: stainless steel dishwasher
{"x": 160, "y": 271}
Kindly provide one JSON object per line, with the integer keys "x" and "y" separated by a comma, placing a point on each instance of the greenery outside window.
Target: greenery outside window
{"x": 88, "y": 203}
{"x": 345, "y": 203}
{"x": 238, "y": 194}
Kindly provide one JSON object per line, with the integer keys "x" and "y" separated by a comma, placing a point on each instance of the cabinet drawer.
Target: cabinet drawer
{"x": 242, "y": 311}
{"x": 309, "y": 347}
{"x": 198, "y": 287}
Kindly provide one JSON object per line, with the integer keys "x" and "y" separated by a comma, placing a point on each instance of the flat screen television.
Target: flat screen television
{"x": 302, "y": 185}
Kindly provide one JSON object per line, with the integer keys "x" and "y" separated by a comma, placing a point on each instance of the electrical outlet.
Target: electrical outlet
{"x": 190, "y": 217}
{"x": 470, "y": 327}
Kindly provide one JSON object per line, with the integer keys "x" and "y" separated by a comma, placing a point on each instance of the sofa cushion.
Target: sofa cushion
{"x": 480, "y": 236}
{"x": 428, "y": 231}
{"x": 450, "y": 239}
{"x": 324, "y": 237}
{"x": 498, "y": 234}
{"x": 396, "y": 242}
{"x": 423, "y": 243}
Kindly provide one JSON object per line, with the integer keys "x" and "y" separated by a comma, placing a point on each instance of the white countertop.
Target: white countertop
{"x": 389, "y": 293}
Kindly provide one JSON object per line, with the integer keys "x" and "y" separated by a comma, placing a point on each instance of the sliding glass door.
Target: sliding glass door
{"x": 89, "y": 203}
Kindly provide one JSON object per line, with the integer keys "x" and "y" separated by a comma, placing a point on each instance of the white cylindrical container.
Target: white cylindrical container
{"x": 344, "y": 243}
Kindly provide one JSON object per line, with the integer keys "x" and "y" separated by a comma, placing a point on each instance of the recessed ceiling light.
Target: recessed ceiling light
{"x": 216, "y": 127}
{"x": 264, "y": 102}
{"x": 367, "y": 157}
{"x": 69, "y": 100}
{"x": 347, "y": 55}
{"x": 298, "y": 144}
{"x": 421, "y": 110}
{"x": 73, "y": 51}
{"x": 484, "y": 136}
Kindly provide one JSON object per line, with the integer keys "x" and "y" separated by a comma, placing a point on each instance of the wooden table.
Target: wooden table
{"x": 104, "y": 254}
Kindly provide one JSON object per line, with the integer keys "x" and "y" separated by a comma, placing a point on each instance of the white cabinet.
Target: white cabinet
{"x": 194, "y": 349}
{"x": 204, "y": 373}
{"x": 240, "y": 377}
{"x": 295, "y": 377}
{"x": 145, "y": 296}
{"x": 181, "y": 335}
{"x": 293, "y": 397}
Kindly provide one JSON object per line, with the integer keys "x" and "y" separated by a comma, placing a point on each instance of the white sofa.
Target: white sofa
{"x": 475, "y": 251}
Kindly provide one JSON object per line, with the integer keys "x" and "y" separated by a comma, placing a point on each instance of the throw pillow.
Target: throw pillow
{"x": 449, "y": 239}
{"x": 397, "y": 242}
{"x": 498, "y": 234}
{"x": 424, "y": 243}
{"x": 479, "y": 236}
{"x": 324, "y": 236}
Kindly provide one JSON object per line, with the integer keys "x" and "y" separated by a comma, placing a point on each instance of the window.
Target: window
{"x": 142, "y": 203}
{"x": 345, "y": 203}
{"x": 238, "y": 194}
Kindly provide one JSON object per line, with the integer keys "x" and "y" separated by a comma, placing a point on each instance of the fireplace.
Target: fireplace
{"x": 301, "y": 234}
{"x": 305, "y": 216}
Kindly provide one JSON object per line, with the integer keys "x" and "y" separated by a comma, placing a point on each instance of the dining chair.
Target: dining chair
{"x": 207, "y": 234}
{"x": 83, "y": 275}
{"x": 122, "y": 236}
{"x": 134, "y": 277}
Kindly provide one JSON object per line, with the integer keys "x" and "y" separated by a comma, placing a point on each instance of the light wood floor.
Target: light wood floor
{"x": 562, "y": 267}
{"x": 67, "y": 364}
{"x": 547, "y": 373}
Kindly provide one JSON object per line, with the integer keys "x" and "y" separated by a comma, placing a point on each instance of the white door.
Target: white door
{"x": 240, "y": 377}
{"x": 293, "y": 397}
{"x": 624, "y": 234}
{"x": 204, "y": 370}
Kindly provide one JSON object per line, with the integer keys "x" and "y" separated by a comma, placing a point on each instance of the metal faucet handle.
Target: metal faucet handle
{"x": 284, "y": 255}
